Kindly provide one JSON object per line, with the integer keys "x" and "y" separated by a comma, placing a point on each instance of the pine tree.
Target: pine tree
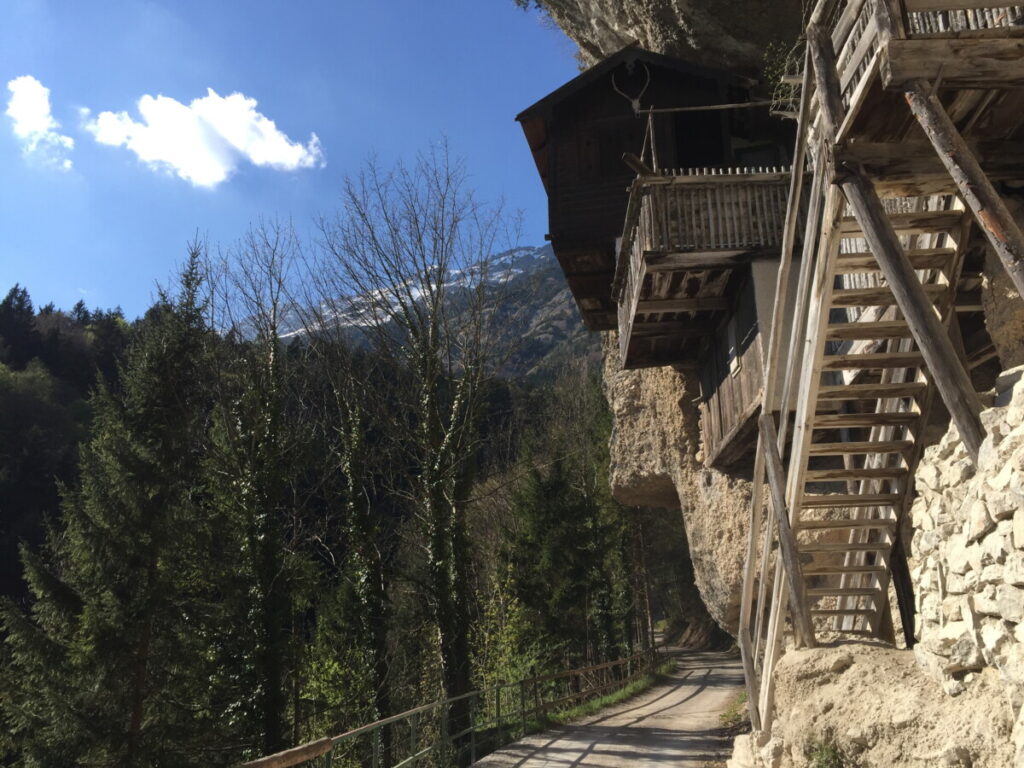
{"x": 111, "y": 664}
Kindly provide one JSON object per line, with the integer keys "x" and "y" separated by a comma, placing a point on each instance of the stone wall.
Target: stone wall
{"x": 967, "y": 555}
{"x": 656, "y": 462}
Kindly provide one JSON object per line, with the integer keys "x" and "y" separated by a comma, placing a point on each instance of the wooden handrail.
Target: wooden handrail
{"x": 645, "y": 661}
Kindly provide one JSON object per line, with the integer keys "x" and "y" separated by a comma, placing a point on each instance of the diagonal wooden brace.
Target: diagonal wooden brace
{"x": 945, "y": 368}
{"x": 991, "y": 213}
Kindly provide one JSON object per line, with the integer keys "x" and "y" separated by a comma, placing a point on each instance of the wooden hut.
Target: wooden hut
{"x": 667, "y": 191}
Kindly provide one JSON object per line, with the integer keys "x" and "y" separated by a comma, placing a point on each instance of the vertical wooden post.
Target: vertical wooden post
{"x": 787, "y": 543}
{"x": 498, "y": 714}
{"x": 932, "y": 339}
{"x": 474, "y": 705}
{"x": 414, "y": 742}
{"x": 522, "y": 703}
{"x": 991, "y": 213}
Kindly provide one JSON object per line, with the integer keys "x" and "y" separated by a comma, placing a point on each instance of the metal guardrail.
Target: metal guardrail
{"x": 493, "y": 717}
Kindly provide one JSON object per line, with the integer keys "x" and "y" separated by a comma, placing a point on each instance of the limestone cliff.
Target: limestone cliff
{"x": 655, "y": 462}
{"x": 722, "y": 33}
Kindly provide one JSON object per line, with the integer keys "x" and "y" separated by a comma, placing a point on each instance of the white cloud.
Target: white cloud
{"x": 205, "y": 141}
{"x": 34, "y": 126}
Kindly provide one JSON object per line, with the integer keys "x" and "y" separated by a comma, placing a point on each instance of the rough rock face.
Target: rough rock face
{"x": 967, "y": 556}
{"x": 654, "y": 463}
{"x": 1004, "y": 311}
{"x": 723, "y": 33}
{"x": 874, "y": 706}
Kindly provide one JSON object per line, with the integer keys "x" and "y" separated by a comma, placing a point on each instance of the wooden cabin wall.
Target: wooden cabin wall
{"x": 591, "y": 130}
{"x": 731, "y": 381}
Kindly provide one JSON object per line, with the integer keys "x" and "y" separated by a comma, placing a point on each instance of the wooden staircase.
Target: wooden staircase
{"x": 860, "y": 348}
{"x": 863, "y": 405}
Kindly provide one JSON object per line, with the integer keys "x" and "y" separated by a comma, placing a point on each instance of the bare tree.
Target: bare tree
{"x": 415, "y": 247}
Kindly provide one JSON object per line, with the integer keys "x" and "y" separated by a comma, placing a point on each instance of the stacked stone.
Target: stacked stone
{"x": 967, "y": 555}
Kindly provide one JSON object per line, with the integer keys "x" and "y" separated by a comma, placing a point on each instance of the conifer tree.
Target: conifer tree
{"x": 110, "y": 665}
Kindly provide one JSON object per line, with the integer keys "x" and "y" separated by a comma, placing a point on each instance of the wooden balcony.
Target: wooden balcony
{"x": 686, "y": 234}
{"x": 972, "y": 53}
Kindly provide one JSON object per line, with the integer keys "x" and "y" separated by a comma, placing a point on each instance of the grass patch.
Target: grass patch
{"x": 593, "y": 706}
{"x": 825, "y": 754}
{"x": 736, "y": 713}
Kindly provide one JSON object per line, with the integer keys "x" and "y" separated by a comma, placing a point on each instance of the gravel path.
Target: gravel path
{"x": 671, "y": 724}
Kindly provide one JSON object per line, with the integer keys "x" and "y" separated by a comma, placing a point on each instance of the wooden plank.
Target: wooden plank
{"x": 787, "y": 544}
{"x": 661, "y": 261}
{"x": 988, "y": 62}
{"x": 861, "y": 420}
{"x": 977, "y": 191}
{"x": 833, "y": 500}
{"x": 843, "y": 592}
{"x": 872, "y": 360}
{"x": 879, "y": 329}
{"x": 913, "y": 223}
{"x": 835, "y": 570}
{"x": 863, "y": 473}
{"x": 844, "y": 546}
{"x": 293, "y": 756}
{"x": 920, "y": 258}
{"x": 920, "y": 6}
{"x": 881, "y": 297}
{"x": 750, "y": 677}
{"x": 842, "y": 612}
{"x": 828, "y": 525}
{"x": 856, "y": 447}
{"x": 901, "y": 162}
{"x": 701, "y": 304}
{"x": 672, "y": 328}
{"x": 871, "y": 391}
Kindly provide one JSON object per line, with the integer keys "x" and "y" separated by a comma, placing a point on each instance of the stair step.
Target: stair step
{"x": 829, "y": 500}
{"x": 843, "y": 592}
{"x": 839, "y": 570}
{"x": 860, "y": 446}
{"x": 843, "y": 612}
{"x": 839, "y": 546}
{"x": 830, "y": 525}
{"x": 878, "y": 297}
{"x": 877, "y": 329}
{"x": 917, "y": 222}
{"x": 920, "y": 258}
{"x": 871, "y": 391}
{"x": 872, "y": 360}
{"x": 859, "y": 420}
{"x": 868, "y": 473}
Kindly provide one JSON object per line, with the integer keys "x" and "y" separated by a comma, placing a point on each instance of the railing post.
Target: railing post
{"x": 497, "y": 713}
{"x": 375, "y": 735}
{"x": 522, "y": 703}
{"x": 446, "y": 743}
{"x": 413, "y": 740}
{"x": 474, "y": 705}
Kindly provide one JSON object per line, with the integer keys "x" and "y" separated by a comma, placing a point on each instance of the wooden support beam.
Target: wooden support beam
{"x": 991, "y": 62}
{"x": 750, "y": 677}
{"x": 991, "y": 213}
{"x": 904, "y": 587}
{"x": 701, "y": 304}
{"x": 946, "y": 370}
{"x": 787, "y": 543}
{"x": 660, "y": 261}
{"x": 908, "y": 162}
{"x": 679, "y": 329}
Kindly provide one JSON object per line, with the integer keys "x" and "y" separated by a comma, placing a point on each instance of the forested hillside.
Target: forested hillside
{"x": 234, "y": 538}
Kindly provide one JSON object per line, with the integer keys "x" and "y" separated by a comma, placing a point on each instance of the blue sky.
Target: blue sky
{"x": 106, "y": 218}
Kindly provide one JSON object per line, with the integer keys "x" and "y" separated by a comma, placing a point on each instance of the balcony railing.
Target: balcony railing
{"x": 684, "y": 221}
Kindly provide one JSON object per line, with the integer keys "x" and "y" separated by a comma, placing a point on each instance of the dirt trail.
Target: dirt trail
{"x": 671, "y": 724}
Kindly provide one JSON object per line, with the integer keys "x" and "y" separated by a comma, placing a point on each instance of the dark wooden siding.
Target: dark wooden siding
{"x": 731, "y": 381}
